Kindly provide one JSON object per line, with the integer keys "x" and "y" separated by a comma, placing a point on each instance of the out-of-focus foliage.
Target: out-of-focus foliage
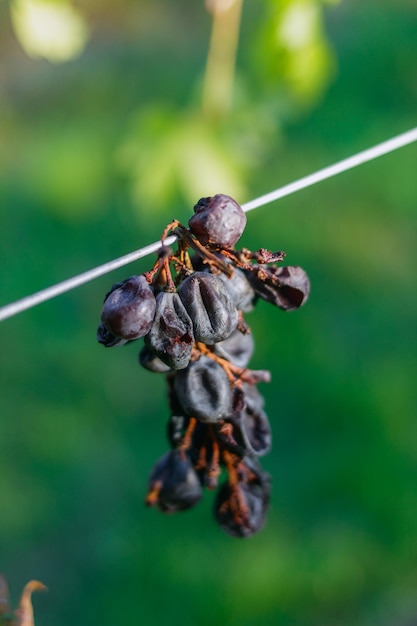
{"x": 292, "y": 51}
{"x": 288, "y": 54}
{"x": 171, "y": 152}
{"x": 46, "y": 28}
{"x": 81, "y": 426}
{"x": 168, "y": 154}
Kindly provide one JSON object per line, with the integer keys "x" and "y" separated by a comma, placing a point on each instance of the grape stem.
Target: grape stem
{"x": 236, "y": 375}
{"x": 207, "y": 256}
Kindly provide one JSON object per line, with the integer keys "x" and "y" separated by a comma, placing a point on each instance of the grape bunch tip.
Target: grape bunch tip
{"x": 189, "y": 308}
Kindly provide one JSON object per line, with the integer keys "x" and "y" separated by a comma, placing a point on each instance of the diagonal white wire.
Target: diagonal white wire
{"x": 342, "y": 166}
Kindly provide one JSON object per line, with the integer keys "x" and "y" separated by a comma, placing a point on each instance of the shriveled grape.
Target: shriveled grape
{"x": 151, "y": 362}
{"x": 107, "y": 339}
{"x": 173, "y": 484}
{"x": 210, "y": 307}
{"x": 240, "y": 290}
{"x": 218, "y": 220}
{"x": 240, "y": 510}
{"x": 203, "y": 390}
{"x": 237, "y": 348}
{"x": 253, "y": 422}
{"x": 171, "y": 336}
{"x": 286, "y": 287}
{"x": 129, "y": 309}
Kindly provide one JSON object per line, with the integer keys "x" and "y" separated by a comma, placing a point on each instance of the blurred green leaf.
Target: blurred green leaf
{"x": 292, "y": 53}
{"x": 55, "y": 31}
{"x": 168, "y": 152}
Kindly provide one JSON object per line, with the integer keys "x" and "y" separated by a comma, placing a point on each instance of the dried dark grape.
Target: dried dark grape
{"x": 129, "y": 308}
{"x": 240, "y": 289}
{"x": 256, "y": 431}
{"x": 203, "y": 390}
{"x": 240, "y": 510}
{"x": 107, "y": 339}
{"x": 173, "y": 484}
{"x": 246, "y": 431}
{"x": 254, "y": 423}
{"x": 218, "y": 220}
{"x": 295, "y": 287}
{"x": 240, "y": 507}
{"x": 237, "y": 348}
{"x": 253, "y": 399}
{"x": 151, "y": 362}
{"x": 210, "y": 307}
{"x": 171, "y": 337}
{"x": 286, "y": 287}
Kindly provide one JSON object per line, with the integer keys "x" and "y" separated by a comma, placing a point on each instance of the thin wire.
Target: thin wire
{"x": 342, "y": 166}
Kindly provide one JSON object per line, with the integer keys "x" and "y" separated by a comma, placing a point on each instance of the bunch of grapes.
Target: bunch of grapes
{"x": 189, "y": 308}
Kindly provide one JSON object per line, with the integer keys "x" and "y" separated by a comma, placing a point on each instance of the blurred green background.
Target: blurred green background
{"x": 107, "y": 132}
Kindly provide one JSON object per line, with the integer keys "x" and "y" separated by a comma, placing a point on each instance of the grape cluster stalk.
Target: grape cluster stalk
{"x": 189, "y": 308}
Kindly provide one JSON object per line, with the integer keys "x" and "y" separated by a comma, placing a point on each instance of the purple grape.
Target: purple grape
{"x": 218, "y": 220}
{"x": 210, "y": 307}
{"x": 129, "y": 309}
{"x": 230, "y": 514}
{"x": 250, "y": 432}
{"x": 254, "y": 423}
{"x": 237, "y": 348}
{"x": 171, "y": 337}
{"x": 286, "y": 287}
{"x": 151, "y": 362}
{"x": 203, "y": 390}
{"x": 173, "y": 484}
{"x": 240, "y": 509}
{"x": 240, "y": 290}
{"x": 107, "y": 339}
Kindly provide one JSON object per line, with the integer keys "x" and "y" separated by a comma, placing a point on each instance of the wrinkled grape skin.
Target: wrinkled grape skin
{"x": 256, "y": 432}
{"x": 251, "y": 435}
{"x": 218, "y": 220}
{"x": 171, "y": 337}
{"x": 286, "y": 287}
{"x": 203, "y": 390}
{"x": 254, "y": 423}
{"x": 254, "y": 488}
{"x": 129, "y": 308}
{"x": 210, "y": 307}
{"x": 107, "y": 339}
{"x": 254, "y": 500}
{"x": 240, "y": 290}
{"x": 237, "y": 348}
{"x": 179, "y": 485}
{"x": 151, "y": 362}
